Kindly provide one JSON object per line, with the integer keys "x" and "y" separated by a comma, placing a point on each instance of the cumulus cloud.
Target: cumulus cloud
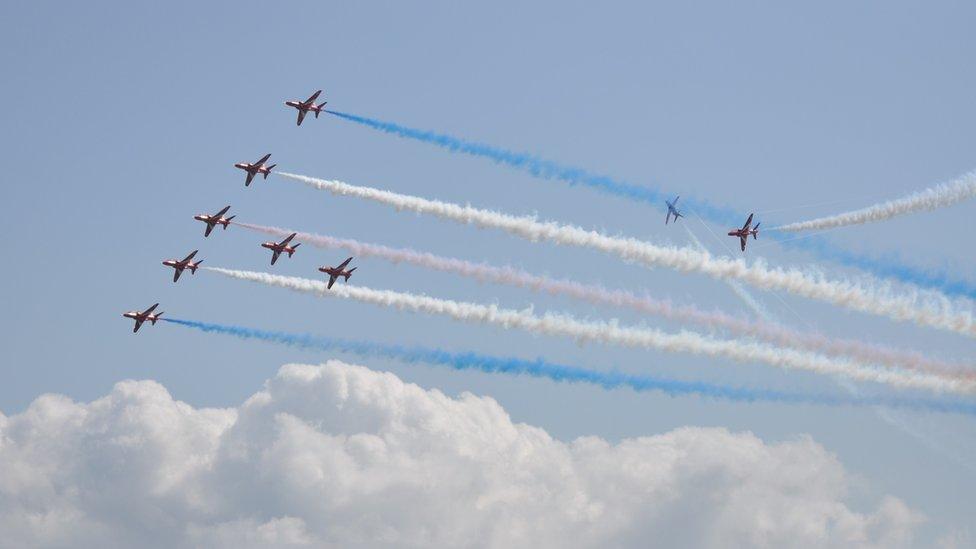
{"x": 339, "y": 455}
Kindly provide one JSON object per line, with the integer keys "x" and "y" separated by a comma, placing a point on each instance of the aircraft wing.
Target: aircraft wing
{"x": 210, "y": 227}
{"x": 343, "y": 265}
{"x": 263, "y": 159}
{"x": 285, "y": 242}
{"x": 137, "y": 326}
{"x": 667, "y": 217}
{"x": 176, "y": 274}
{"x": 332, "y": 279}
{"x": 301, "y": 116}
{"x": 250, "y": 177}
{"x": 313, "y": 97}
{"x": 748, "y": 222}
{"x": 189, "y": 257}
{"x": 274, "y": 255}
{"x": 742, "y": 243}
{"x": 151, "y": 309}
{"x": 221, "y": 212}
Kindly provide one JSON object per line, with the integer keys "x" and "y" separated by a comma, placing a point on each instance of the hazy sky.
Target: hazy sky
{"x": 122, "y": 121}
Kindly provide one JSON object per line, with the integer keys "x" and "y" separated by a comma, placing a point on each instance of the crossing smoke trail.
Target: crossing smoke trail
{"x": 597, "y": 294}
{"x": 924, "y": 308}
{"x": 608, "y": 332}
{"x": 725, "y": 216}
{"x": 567, "y": 374}
{"x": 940, "y": 196}
{"x": 922, "y": 432}
{"x": 536, "y": 166}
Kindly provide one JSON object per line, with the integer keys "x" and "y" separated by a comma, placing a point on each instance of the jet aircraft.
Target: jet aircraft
{"x": 278, "y": 247}
{"x": 307, "y": 106}
{"x": 745, "y": 231}
{"x": 214, "y": 220}
{"x": 143, "y": 316}
{"x": 672, "y": 210}
{"x": 255, "y": 168}
{"x": 185, "y": 263}
{"x": 335, "y": 272}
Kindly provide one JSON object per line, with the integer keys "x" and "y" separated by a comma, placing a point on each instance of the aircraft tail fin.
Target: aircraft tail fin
{"x": 349, "y": 273}
{"x": 292, "y": 250}
{"x": 755, "y": 232}
{"x": 228, "y": 219}
{"x": 155, "y": 317}
{"x": 269, "y": 168}
{"x": 193, "y": 267}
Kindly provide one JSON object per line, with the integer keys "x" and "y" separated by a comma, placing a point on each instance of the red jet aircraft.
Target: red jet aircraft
{"x": 214, "y": 220}
{"x": 335, "y": 272}
{"x": 255, "y": 168}
{"x": 745, "y": 231}
{"x": 307, "y": 106}
{"x": 143, "y": 316}
{"x": 278, "y": 247}
{"x": 185, "y": 263}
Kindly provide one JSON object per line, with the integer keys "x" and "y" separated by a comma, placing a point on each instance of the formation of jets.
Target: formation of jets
{"x": 742, "y": 234}
{"x": 263, "y": 168}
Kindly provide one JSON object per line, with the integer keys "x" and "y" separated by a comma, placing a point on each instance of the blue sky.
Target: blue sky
{"x": 122, "y": 121}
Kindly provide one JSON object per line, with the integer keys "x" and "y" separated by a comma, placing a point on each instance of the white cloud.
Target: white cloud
{"x": 339, "y": 455}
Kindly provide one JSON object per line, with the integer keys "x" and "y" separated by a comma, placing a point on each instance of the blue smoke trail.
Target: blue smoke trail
{"x": 570, "y": 374}
{"x": 547, "y": 169}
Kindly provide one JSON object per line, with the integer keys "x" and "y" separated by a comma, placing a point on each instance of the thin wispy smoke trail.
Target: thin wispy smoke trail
{"x": 608, "y": 332}
{"x": 567, "y": 374}
{"x": 924, "y": 308}
{"x": 600, "y": 295}
{"x": 940, "y": 196}
{"x": 883, "y": 267}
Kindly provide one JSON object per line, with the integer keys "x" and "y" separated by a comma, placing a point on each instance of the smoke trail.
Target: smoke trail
{"x": 940, "y": 196}
{"x": 935, "y": 311}
{"x": 607, "y": 332}
{"x": 540, "y": 368}
{"x": 887, "y": 266}
{"x": 600, "y": 295}
{"x": 536, "y": 166}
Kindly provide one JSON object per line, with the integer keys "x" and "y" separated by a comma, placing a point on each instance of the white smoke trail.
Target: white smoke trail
{"x": 769, "y": 331}
{"x": 608, "y": 332}
{"x": 940, "y": 196}
{"x": 924, "y": 308}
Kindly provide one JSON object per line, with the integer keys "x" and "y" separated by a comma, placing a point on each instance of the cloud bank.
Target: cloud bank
{"x": 338, "y": 455}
